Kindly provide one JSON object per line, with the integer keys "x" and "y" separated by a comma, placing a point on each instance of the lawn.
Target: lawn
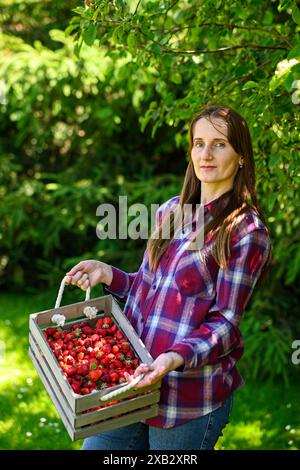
{"x": 265, "y": 416}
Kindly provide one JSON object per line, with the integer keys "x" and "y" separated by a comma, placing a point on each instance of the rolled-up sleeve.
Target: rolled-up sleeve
{"x": 121, "y": 283}
{"x": 219, "y": 334}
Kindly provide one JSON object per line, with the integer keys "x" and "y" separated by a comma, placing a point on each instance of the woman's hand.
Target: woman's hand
{"x": 88, "y": 273}
{"x": 162, "y": 365}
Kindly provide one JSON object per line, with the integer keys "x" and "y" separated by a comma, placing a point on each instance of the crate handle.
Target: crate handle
{"x": 122, "y": 389}
{"x": 61, "y": 291}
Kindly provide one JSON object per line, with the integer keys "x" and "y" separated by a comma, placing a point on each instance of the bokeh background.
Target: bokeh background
{"x": 95, "y": 101}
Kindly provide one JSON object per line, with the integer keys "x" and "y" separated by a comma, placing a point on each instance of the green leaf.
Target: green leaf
{"x": 77, "y": 48}
{"x": 132, "y": 42}
{"x": 296, "y": 13}
{"x": 249, "y": 85}
{"x": 295, "y": 52}
{"x": 89, "y": 34}
{"x": 176, "y": 78}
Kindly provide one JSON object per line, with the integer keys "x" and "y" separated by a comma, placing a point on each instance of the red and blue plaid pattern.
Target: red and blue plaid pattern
{"x": 195, "y": 308}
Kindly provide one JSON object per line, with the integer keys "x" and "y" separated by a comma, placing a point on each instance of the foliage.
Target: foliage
{"x": 195, "y": 53}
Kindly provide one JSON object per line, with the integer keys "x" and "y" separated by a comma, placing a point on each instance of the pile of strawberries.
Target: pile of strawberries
{"x": 92, "y": 357}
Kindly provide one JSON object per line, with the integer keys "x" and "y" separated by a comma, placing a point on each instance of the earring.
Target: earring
{"x": 241, "y": 165}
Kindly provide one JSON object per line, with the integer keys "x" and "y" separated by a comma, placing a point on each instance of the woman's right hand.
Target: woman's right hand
{"x": 88, "y": 273}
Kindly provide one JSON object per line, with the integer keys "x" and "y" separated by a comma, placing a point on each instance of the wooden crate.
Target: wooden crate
{"x": 70, "y": 405}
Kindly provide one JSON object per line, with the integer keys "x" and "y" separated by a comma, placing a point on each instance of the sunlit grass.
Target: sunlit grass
{"x": 264, "y": 416}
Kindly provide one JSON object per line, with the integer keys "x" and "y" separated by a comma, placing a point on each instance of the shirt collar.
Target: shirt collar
{"x": 211, "y": 204}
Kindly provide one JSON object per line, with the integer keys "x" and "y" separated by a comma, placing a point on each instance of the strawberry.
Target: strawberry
{"x": 76, "y": 387}
{"x": 70, "y": 360}
{"x": 57, "y": 335}
{"x": 114, "y": 377}
{"x": 99, "y": 323}
{"x": 83, "y": 369}
{"x": 118, "y": 364}
{"x": 87, "y": 330}
{"x": 125, "y": 346}
{"x": 70, "y": 370}
{"x": 119, "y": 335}
{"x": 95, "y": 374}
{"x": 110, "y": 356}
{"x": 50, "y": 331}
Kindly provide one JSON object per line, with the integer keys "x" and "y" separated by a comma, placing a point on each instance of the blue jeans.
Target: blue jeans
{"x": 199, "y": 434}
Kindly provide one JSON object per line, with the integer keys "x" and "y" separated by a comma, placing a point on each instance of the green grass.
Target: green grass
{"x": 264, "y": 416}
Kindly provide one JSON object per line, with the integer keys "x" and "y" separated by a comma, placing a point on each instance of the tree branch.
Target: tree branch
{"x": 136, "y": 8}
{"x": 221, "y": 49}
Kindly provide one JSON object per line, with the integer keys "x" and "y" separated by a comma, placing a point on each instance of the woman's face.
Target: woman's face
{"x": 214, "y": 159}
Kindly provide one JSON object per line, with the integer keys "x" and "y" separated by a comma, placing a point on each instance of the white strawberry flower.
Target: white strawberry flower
{"x": 90, "y": 312}
{"x": 58, "y": 319}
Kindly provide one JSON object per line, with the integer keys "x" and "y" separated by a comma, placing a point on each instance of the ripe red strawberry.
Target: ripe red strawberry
{"x": 85, "y": 391}
{"x": 70, "y": 360}
{"x": 50, "y": 331}
{"x": 107, "y": 321}
{"x": 95, "y": 374}
{"x": 117, "y": 363}
{"x": 83, "y": 369}
{"x": 114, "y": 376}
{"x": 106, "y": 348}
{"x": 76, "y": 387}
{"x": 57, "y": 344}
{"x": 125, "y": 346}
{"x": 70, "y": 370}
{"x": 111, "y": 356}
{"x": 119, "y": 335}
{"x": 87, "y": 330}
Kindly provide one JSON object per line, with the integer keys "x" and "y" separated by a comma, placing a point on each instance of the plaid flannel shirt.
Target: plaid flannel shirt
{"x": 195, "y": 309}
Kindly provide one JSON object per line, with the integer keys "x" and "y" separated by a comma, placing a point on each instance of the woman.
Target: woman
{"x": 186, "y": 304}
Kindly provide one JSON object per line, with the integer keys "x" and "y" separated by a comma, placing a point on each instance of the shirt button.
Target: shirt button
{"x": 154, "y": 286}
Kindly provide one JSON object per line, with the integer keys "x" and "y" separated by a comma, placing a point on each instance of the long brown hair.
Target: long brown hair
{"x": 223, "y": 221}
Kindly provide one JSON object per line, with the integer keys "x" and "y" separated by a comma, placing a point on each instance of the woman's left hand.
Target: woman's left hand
{"x": 162, "y": 365}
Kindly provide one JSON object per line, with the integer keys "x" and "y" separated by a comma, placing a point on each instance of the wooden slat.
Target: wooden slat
{"x": 57, "y": 402}
{"x": 118, "y": 408}
{"x": 85, "y": 402}
{"x": 53, "y": 363}
{"x": 51, "y": 379}
{"x": 114, "y": 423}
{"x": 72, "y": 310}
